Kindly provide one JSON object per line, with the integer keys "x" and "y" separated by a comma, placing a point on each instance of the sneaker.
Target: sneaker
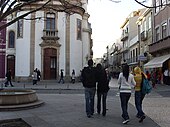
{"x": 137, "y": 116}
{"x": 104, "y": 114}
{"x": 125, "y": 121}
{"x": 89, "y": 116}
{"x": 142, "y": 118}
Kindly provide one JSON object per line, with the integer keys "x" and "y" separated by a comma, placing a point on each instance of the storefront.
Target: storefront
{"x": 159, "y": 64}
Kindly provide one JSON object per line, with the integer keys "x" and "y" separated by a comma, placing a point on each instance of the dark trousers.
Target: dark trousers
{"x": 34, "y": 82}
{"x": 61, "y": 80}
{"x": 102, "y": 96}
{"x": 124, "y": 98}
{"x": 138, "y": 102}
{"x": 8, "y": 82}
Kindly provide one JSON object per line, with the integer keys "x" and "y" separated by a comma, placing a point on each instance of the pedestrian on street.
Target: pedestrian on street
{"x": 73, "y": 76}
{"x": 34, "y": 77}
{"x": 61, "y": 77}
{"x": 126, "y": 83}
{"x": 8, "y": 78}
{"x": 89, "y": 83}
{"x": 139, "y": 96}
{"x": 102, "y": 88}
{"x": 38, "y": 74}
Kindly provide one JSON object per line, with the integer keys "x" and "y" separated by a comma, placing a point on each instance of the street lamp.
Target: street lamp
{"x": 139, "y": 39}
{"x": 107, "y": 58}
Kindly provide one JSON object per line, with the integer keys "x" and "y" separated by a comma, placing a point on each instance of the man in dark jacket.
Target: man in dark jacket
{"x": 8, "y": 78}
{"x": 89, "y": 83}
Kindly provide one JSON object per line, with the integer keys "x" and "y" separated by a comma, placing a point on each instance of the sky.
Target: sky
{"x": 106, "y": 18}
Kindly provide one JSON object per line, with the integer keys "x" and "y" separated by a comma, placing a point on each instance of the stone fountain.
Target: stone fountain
{"x": 16, "y": 99}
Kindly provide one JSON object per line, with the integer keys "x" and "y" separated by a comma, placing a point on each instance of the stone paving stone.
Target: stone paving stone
{"x": 14, "y": 123}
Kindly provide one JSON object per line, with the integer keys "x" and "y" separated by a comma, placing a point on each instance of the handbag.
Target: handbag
{"x": 146, "y": 86}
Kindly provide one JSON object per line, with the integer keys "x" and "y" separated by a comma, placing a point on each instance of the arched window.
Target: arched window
{"x": 11, "y": 42}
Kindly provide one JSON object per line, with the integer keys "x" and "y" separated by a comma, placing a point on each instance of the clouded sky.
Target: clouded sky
{"x": 106, "y": 18}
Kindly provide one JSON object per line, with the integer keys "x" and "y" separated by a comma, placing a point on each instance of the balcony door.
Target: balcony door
{"x": 50, "y": 63}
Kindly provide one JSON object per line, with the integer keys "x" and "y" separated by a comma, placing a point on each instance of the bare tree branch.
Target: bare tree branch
{"x": 22, "y": 16}
{"x": 141, "y": 3}
{"x": 8, "y": 7}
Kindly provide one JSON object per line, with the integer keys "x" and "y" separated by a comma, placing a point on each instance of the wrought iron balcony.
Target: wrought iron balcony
{"x": 144, "y": 35}
{"x": 124, "y": 36}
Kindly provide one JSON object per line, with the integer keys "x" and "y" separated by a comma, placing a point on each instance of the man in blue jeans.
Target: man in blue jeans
{"x": 89, "y": 83}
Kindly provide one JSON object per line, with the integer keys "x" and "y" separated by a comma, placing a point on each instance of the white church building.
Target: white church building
{"x": 49, "y": 40}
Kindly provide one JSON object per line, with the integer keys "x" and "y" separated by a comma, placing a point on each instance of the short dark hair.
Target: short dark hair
{"x": 90, "y": 62}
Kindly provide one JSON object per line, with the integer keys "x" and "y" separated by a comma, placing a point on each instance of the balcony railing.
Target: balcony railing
{"x": 124, "y": 36}
{"x": 50, "y": 35}
{"x": 144, "y": 35}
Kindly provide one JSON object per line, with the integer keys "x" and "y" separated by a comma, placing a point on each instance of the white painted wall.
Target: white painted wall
{"x": 62, "y": 34}
{"x": 39, "y": 26}
{"x": 23, "y": 51}
{"x": 75, "y": 46}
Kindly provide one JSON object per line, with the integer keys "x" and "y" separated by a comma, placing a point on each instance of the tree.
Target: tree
{"x": 12, "y": 7}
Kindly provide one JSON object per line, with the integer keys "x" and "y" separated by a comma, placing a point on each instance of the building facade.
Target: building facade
{"x": 130, "y": 39}
{"x": 55, "y": 41}
{"x": 160, "y": 47}
{"x": 2, "y": 50}
{"x": 144, "y": 24}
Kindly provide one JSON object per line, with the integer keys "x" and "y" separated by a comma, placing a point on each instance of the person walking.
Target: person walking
{"x": 89, "y": 83}
{"x": 139, "y": 96}
{"x": 8, "y": 79}
{"x": 73, "y": 76}
{"x": 38, "y": 74}
{"x": 102, "y": 88}
{"x": 34, "y": 77}
{"x": 126, "y": 83}
{"x": 61, "y": 77}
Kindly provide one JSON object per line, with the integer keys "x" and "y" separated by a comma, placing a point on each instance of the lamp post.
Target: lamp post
{"x": 139, "y": 41}
{"x": 107, "y": 57}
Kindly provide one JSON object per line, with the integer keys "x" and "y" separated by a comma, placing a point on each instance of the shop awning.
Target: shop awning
{"x": 157, "y": 61}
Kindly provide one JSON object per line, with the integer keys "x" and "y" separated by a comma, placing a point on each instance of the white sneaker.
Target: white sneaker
{"x": 125, "y": 121}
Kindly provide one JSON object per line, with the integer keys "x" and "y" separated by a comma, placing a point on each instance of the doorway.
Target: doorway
{"x": 50, "y": 63}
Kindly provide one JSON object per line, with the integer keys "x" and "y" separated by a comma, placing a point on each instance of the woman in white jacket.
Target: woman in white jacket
{"x": 126, "y": 83}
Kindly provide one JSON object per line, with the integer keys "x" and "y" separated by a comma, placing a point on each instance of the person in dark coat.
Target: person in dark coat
{"x": 61, "y": 77}
{"x": 102, "y": 88}
{"x": 89, "y": 83}
{"x": 8, "y": 78}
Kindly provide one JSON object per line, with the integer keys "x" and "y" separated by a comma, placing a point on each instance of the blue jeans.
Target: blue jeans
{"x": 124, "y": 98}
{"x": 138, "y": 102}
{"x": 103, "y": 96}
{"x": 89, "y": 97}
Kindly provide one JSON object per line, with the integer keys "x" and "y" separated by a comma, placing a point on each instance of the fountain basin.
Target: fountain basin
{"x": 16, "y": 97}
